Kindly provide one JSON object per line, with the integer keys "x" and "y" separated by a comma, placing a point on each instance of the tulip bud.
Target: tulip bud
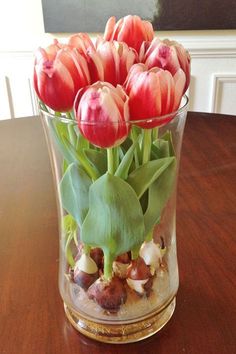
{"x": 129, "y": 29}
{"x": 110, "y": 61}
{"x": 82, "y": 42}
{"x": 59, "y": 72}
{"x": 167, "y": 55}
{"x": 153, "y": 93}
{"x": 102, "y": 114}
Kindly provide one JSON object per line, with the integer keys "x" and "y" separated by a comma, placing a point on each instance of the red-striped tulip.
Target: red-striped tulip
{"x": 129, "y": 29}
{"x": 167, "y": 55}
{"x": 59, "y": 72}
{"x": 82, "y": 42}
{"x": 102, "y": 114}
{"x": 111, "y": 62}
{"x": 153, "y": 93}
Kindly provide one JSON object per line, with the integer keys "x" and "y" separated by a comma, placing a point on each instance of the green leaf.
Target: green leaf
{"x": 168, "y": 137}
{"x": 161, "y": 148}
{"x": 98, "y": 159}
{"x": 126, "y": 144}
{"x": 80, "y": 158}
{"x": 70, "y": 228}
{"x": 71, "y": 133}
{"x": 82, "y": 143}
{"x": 115, "y": 219}
{"x": 69, "y": 224}
{"x": 158, "y": 195}
{"x": 59, "y": 129}
{"x": 145, "y": 175}
{"x": 123, "y": 168}
{"x": 74, "y": 189}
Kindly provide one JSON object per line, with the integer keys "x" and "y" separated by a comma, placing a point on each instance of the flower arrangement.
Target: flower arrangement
{"x": 117, "y": 172}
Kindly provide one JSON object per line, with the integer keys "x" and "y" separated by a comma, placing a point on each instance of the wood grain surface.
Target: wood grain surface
{"x": 32, "y": 319}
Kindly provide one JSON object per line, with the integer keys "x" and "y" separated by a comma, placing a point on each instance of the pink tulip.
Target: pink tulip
{"x": 167, "y": 55}
{"x": 153, "y": 93}
{"x": 59, "y": 72}
{"x": 82, "y": 42}
{"x": 129, "y": 29}
{"x": 111, "y": 61}
{"x": 102, "y": 114}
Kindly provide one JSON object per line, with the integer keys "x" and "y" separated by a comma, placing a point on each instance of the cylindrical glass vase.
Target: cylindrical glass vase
{"x": 118, "y": 270}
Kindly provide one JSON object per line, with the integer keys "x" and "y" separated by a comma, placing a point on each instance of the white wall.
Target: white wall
{"x": 213, "y": 85}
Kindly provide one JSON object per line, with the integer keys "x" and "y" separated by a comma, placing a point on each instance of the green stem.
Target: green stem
{"x": 136, "y": 154}
{"x": 155, "y": 134}
{"x": 69, "y": 115}
{"x": 149, "y": 236}
{"x": 110, "y": 161}
{"x": 146, "y": 144}
{"x": 72, "y": 135}
{"x": 108, "y": 261}
{"x": 115, "y": 158}
{"x": 85, "y": 163}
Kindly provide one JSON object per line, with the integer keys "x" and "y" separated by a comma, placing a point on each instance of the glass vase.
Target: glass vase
{"x": 118, "y": 270}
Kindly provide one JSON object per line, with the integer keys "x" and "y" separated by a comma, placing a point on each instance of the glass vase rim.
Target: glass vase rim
{"x": 64, "y": 119}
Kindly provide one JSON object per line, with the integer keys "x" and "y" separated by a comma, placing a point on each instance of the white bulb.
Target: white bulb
{"x": 86, "y": 264}
{"x": 151, "y": 254}
{"x": 137, "y": 285}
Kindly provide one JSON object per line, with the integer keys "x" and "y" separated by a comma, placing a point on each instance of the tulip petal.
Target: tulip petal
{"x": 179, "y": 79}
{"x": 95, "y": 66}
{"x": 145, "y": 97}
{"x": 81, "y": 41}
{"x": 109, "y": 28}
{"x": 110, "y": 61}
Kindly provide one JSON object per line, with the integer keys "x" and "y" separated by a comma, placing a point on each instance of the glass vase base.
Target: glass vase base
{"x": 121, "y": 333}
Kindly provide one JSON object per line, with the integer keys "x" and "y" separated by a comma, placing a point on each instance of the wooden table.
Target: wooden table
{"x": 32, "y": 319}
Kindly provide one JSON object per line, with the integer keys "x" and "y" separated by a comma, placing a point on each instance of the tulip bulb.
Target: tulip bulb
{"x": 139, "y": 277}
{"x": 109, "y": 294}
{"x": 120, "y": 265}
{"x": 120, "y": 269}
{"x": 151, "y": 253}
{"x": 85, "y": 271}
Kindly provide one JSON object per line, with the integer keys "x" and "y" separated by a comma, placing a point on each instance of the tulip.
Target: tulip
{"x": 129, "y": 29}
{"x": 82, "y": 42}
{"x": 102, "y": 114}
{"x": 153, "y": 93}
{"x": 110, "y": 61}
{"x": 59, "y": 72}
{"x": 167, "y": 55}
